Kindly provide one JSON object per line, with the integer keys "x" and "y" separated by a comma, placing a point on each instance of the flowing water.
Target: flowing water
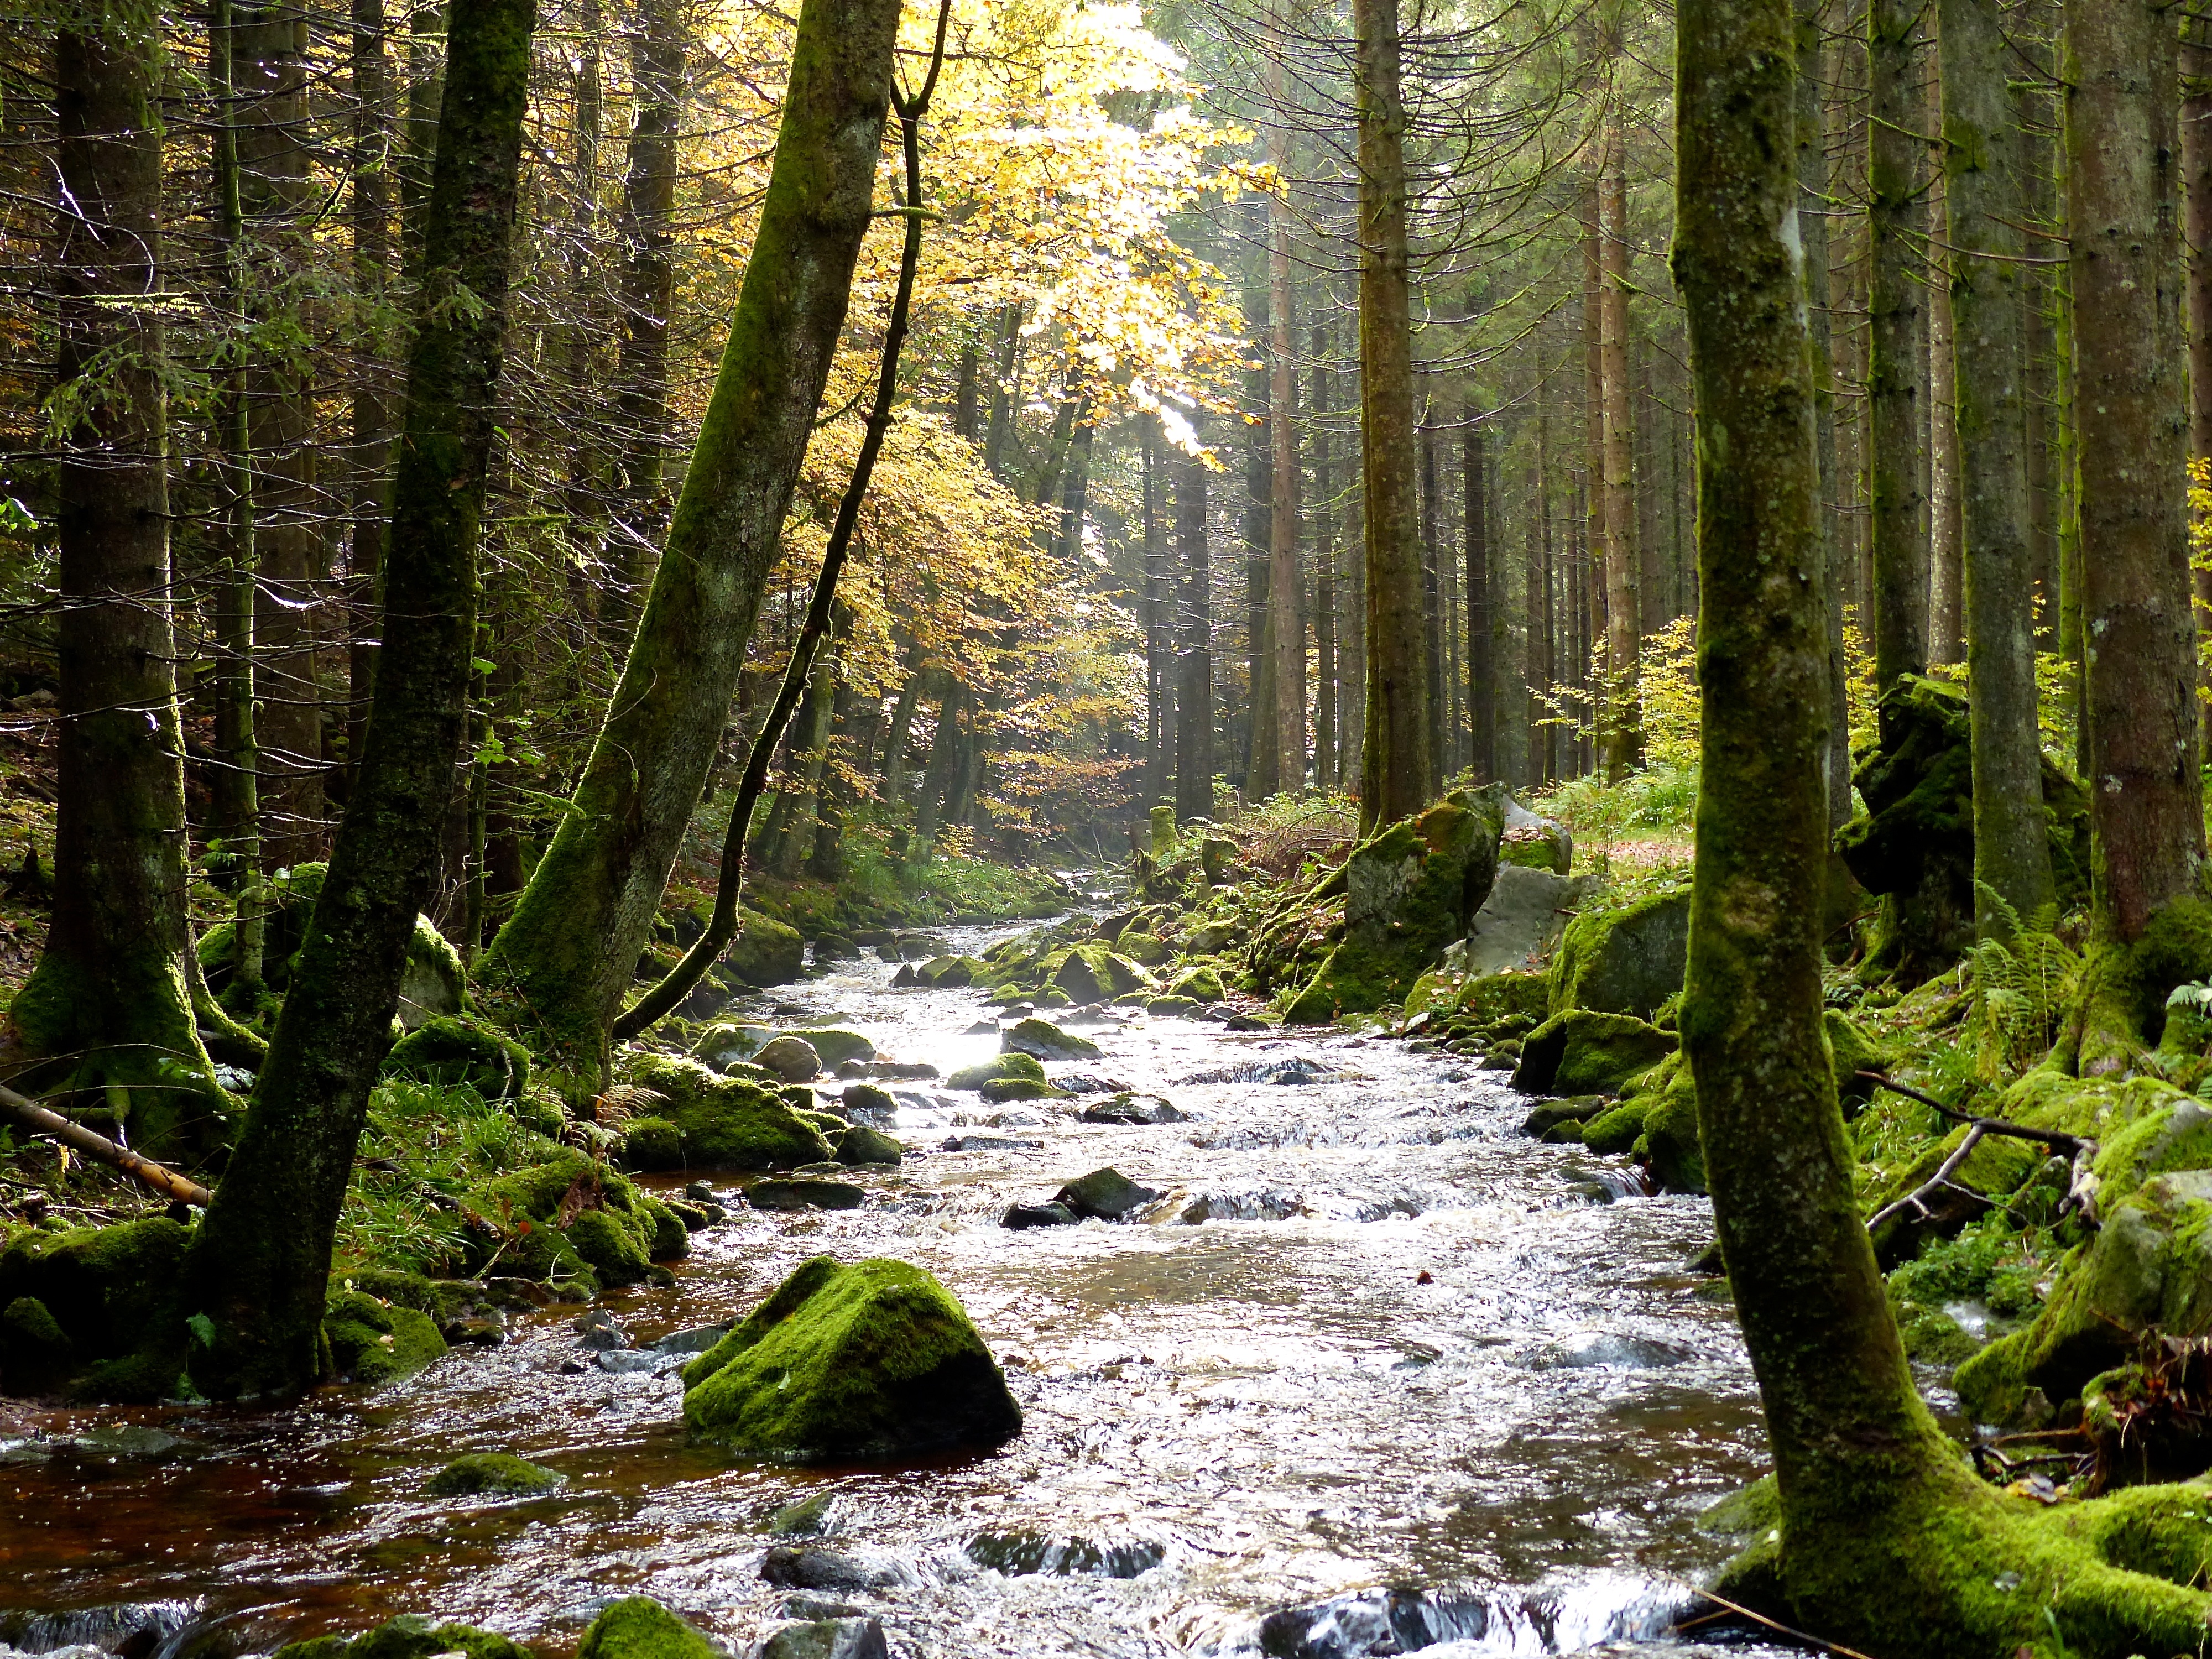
{"x": 1433, "y": 1384}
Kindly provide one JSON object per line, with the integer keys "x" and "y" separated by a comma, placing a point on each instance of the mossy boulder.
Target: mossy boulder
{"x": 639, "y": 1627}
{"x": 1004, "y": 1091}
{"x": 374, "y": 1342}
{"x": 1105, "y": 1194}
{"x": 870, "y": 1359}
{"x": 1914, "y": 846}
{"x": 1671, "y": 1142}
{"x": 834, "y": 1046}
{"x": 719, "y": 1122}
{"x": 500, "y": 1472}
{"x": 725, "y": 1042}
{"x": 1145, "y": 950}
{"x": 765, "y": 953}
{"x": 453, "y": 1052}
{"x": 952, "y": 973}
{"x": 860, "y": 1144}
{"x": 92, "y": 1313}
{"x": 1583, "y": 1052}
{"x": 571, "y": 1217}
{"x": 410, "y": 1636}
{"x": 1200, "y": 983}
{"x": 999, "y": 1067}
{"x": 1095, "y": 973}
{"x": 1041, "y": 1040}
{"x": 432, "y": 984}
{"x": 1616, "y": 1131}
{"x": 793, "y": 1059}
{"x": 1624, "y": 953}
{"x": 1409, "y": 892}
{"x": 1532, "y": 842}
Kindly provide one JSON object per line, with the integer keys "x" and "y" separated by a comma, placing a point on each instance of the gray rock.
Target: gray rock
{"x": 805, "y": 1194}
{"x": 621, "y": 1361}
{"x": 598, "y": 1329}
{"x": 1041, "y": 1039}
{"x": 988, "y": 1144}
{"x": 793, "y": 1059}
{"x": 799, "y": 1566}
{"x": 1134, "y": 1108}
{"x": 1520, "y": 921}
{"x": 1022, "y": 1552}
{"x": 827, "y": 1638}
{"x": 697, "y": 1339}
{"x": 1023, "y": 1217}
{"x": 1106, "y": 1193}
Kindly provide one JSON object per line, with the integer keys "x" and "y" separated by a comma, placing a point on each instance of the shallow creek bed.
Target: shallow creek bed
{"x": 1386, "y": 1342}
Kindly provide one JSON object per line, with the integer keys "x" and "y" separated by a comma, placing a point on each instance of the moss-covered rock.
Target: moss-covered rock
{"x": 867, "y": 1360}
{"x": 992, "y": 1070}
{"x": 1670, "y": 1141}
{"x": 1041, "y": 1040}
{"x": 410, "y": 1636}
{"x": 571, "y": 1218}
{"x": 93, "y": 1312}
{"x": 453, "y": 1052}
{"x": 1094, "y": 972}
{"x": 374, "y": 1342}
{"x": 639, "y": 1627}
{"x": 1408, "y": 893}
{"x": 834, "y": 1046}
{"x": 793, "y": 1059}
{"x": 501, "y": 1473}
{"x": 1004, "y": 1091}
{"x": 725, "y": 1042}
{"x": 1532, "y": 842}
{"x": 719, "y": 1122}
{"x": 765, "y": 953}
{"x": 860, "y": 1144}
{"x": 1200, "y": 982}
{"x": 1617, "y": 1131}
{"x": 1105, "y": 1194}
{"x": 1583, "y": 1052}
{"x": 1624, "y": 952}
{"x": 952, "y": 973}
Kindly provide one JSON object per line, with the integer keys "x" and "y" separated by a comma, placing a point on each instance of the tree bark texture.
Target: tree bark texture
{"x": 1286, "y": 627}
{"x": 260, "y": 1261}
{"x": 2197, "y": 172}
{"x": 1624, "y": 583}
{"x": 1900, "y": 546}
{"x": 565, "y": 957}
{"x": 1981, "y": 119}
{"x": 372, "y": 405}
{"x": 1811, "y": 24}
{"x": 1194, "y": 663}
{"x": 1482, "y": 673}
{"x": 1394, "y": 777}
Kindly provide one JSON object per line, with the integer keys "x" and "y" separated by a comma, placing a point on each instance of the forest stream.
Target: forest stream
{"x": 1404, "y": 1347}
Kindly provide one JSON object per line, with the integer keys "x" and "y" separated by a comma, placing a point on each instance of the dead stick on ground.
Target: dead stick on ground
{"x": 1819, "y": 1641}
{"x": 165, "y": 1182}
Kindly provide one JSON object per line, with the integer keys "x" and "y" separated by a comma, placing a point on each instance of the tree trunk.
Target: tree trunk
{"x": 1194, "y": 660}
{"x": 108, "y": 1006}
{"x": 1813, "y": 232}
{"x": 1433, "y": 653}
{"x": 1286, "y": 628}
{"x": 1159, "y": 703}
{"x": 1262, "y": 754}
{"x": 1394, "y": 777}
{"x": 1481, "y": 672}
{"x": 1981, "y": 119}
{"x": 565, "y": 957}
{"x": 1624, "y": 625}
{"x": 1893, "y": 386}
{"x": 372, "y": 404}
{"x": 1946, "y": 567}
{"x": 260, "y": 1261}
{"x": 2196, "y": 174}
{"x": 1324, "y": 567}
{"x": 646, "y": 297}
{"x": 1005, "y": 392}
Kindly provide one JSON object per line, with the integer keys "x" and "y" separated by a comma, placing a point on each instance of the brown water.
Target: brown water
{"x": 1276, "y": 1406}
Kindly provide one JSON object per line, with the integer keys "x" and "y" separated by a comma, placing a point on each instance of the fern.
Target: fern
{"x": 2021, "y": 984}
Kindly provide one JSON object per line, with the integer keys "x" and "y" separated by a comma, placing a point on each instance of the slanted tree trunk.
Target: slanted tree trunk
{"x": 1893, "y": 383}
{"x": 561, "y": 964}
{"x": 1981, "y": 120}
{"x": 1194, "y": 663}
{"x": 2122, "y": 191}
{"x": 1395, "y": 781}
{"x": 108, "y": 1010}
{"x": 647, "y": 294}
{"x": 260, "y": 1261}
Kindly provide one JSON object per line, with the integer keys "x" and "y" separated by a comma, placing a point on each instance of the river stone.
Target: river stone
{"x": 1624, "y": 957}
{"x": 1022, "y": 1552}
{"x": 1583, "y": 1052}
{"x": 828, "y": 1638}
{"x": 724, "y": 1041}
{"x": 1107, "y": 1195}
{"x": 1552, "y": 1115}
{"x": 1000, "y": 1065}
{"x": 1023, "y": 1217}
{"x": 413, "y": 1636}
{"x": 834, "y": 1045}
{"x": 1134, "y": 1108}
{"x": 804, "y": 1195}
{"x": 493, "y": 1472}
{"x": 869, "y": 1359}
{"x": 793, "y": 1059}
{"x": 695, "y": 1339}
{"x": 801, "y": 1567}
{"x": 862, "y": 1144}
{"x": 718, "y": 1122}
{"x": 1042, "y": 1040}
{"x": 1001, "y": 1090}
{"x": 639, "y": 1627}
{"x": 765, "y": 951}
{"x": 1520, "y": 920}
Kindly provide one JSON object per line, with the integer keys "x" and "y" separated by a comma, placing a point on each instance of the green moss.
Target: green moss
{"x": 376, "y": 1343}
{"x": 872, "y": 1359}
{"x": 1623, "y": 952}
{"x": 836, "y": 1046}
{"x": 1616, "y": 1132}
{"x": 999, "y": 1091}
{"x": 1671, "y": 1134}
{"x": 861, "y": 1145}
{"x": 1041, "y": 1040}
{"x": 112, "y": 1294}
{"x": 1200, "y": 984}
{"x": 493, "y": 1472}
{"x": 611, "y": 1230}
{"x": 720, "y": 1123}
{"x": 455, "y": 1053}
{"x": 638, "y": 1627}
{"x": 410, "y": 1636}
{"x": 1585, "y": 1052}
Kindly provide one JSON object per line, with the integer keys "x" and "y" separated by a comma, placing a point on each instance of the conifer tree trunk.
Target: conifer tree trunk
{"x": 108, "y": 1009}
{"x": 1813, "y": 232}
{"x": 2197, "y": 174}
{"x": 260, "y": 1261}
{"x": 1624, "y": 598}
{"x": 1159, "y": 703}
{"x": 372, "y": 410}
{"x": 565, "y": 957}
{"x": 1395, "y": 780}
{"x": 1286, "y": 630}
{"x": 1981, "y": 118}
{"x": 1261, "y": 752}
{"x": 1325, "y": 589}
{"x": 1432, "y": 622}
{"x": 1482, "y": 673}
{"x": 1194, "y": 659}
{"x": 1893, "y": 386}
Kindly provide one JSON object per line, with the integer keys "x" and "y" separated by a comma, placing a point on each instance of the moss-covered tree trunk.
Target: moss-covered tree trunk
{"x": 106, "y": 1021}
{"x": 1981, "y": 120}
{"x": 1394, "y": 780}
{"x": 261, "y": 1260}
{"x": 2197, "y": 188}
{"x": 1482, "y": 673}
{"x": 1623, "y": 581}
{"x": 1193, "y": 661}
{"x": 1898, "y": 546}
{"x": 564, "y": 958}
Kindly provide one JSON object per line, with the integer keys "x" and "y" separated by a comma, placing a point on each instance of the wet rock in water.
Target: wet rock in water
{"x": 902, "y": 1070}
{"x": 952, "y": 973}
{"x": 1246, "y": 1023}
{"x": 827, "y": 1638}
{"x": 793, "y": 1059}
{"x": 1291, "y": 1071}
{"x": 1082, "y": 1082}
{"x": 1014, "y": 1119}
{"x": 625, "y": 1362}
{"x": 809, "y": 1517}
{"x": 1172, "y": 1005}
{"x": 1021, "y": 1553}
{"x": 375, "y": 1343}
{"x": 410, "y": 1636}
{"x": 718, "y": 1122}
{"x": 836, "y": 947}
{"x": 988, "y": 1144}
{"x": 1588, "y": 1052}
{"x": 1106, "y": 1195}
{"x": 1042, "y": 1040}
{"x": 1376, "y": 1621}
{"x": 695, "y": 1339}
{"x": 1134, "y": 1108}
{"x": 866, "y": 1097}
{"x": 639, "y": 1627}
{"x": 982, "y": 1028}
{"x": 493, "y": 1472}
{"x": 995, "y": 1068}
{"x": 1001, "y": 1090}
{"x": 871, "y": 1359}
{"x": 487, "y": 1329}
{"x": 90, "y": 1312}
{"x": 800, "y": 1566}
{"x": 726, "y": 1042}
{"x": 834, "y": 1045}
{"x": 1022, "y": 1216}
{"x": 803, "y": 1606}
{"x": 1552, "y": 1115}
{"x": 863, "y": 1144}
{"x": 1610, "y": 1349}
{"x": 906, "y": 979}
{"x": 808, "y": 1194}
{"x": 849, "y": 1071}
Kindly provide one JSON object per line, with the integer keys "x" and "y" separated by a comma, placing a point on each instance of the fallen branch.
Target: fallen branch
{"x": 164, "y": 1180}
{"x": 1780, "y": 1629}
{"x": 2082, "y": 1185}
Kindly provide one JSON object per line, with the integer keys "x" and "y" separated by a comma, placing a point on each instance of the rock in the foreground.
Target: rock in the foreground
{"x": 871, "y": 1359}
{"x": 639, "y": 1627}
{"x": 1107, "y": 1193}
{"x": 411, "y": 1635}
{"x": 828, "y": 1638}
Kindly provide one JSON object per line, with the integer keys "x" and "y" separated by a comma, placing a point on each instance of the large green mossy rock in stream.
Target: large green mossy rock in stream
{"x": 92, "y": 1313}
{"x": 374, "y": 1342}
{"x": 639, "y": 1627}
{"x": 571, "y": 1217}
{"x": 1408, "y": 893}
{"x": 1583, "y": 1052}
{"x": 410, "y": 1636}
{"x": 869, "y": 1359}
{"x": 716, "y": 1123}
{"x": 1624, "y": 952}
